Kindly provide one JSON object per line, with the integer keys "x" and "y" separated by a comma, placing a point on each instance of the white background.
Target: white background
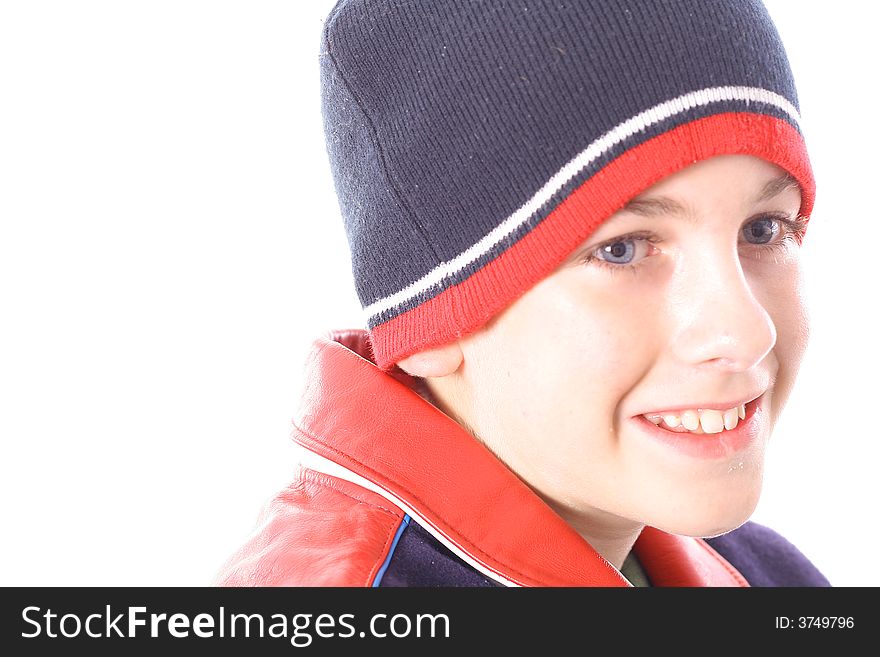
{"x": 171, "y": 243}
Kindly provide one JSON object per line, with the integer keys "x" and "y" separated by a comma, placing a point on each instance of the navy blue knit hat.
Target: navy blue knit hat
{"x": 474, "y": 144}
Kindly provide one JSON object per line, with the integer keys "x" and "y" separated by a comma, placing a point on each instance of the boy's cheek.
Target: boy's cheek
{"x": 787, "y": 307}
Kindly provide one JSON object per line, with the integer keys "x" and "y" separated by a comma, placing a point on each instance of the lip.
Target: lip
{"x": 710, "y": 445}
{"x": 715, "y": 406}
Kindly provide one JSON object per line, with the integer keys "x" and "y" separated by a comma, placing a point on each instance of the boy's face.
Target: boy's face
{"x": 709, "y": 313}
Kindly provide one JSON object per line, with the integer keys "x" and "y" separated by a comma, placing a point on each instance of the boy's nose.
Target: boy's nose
{"x": 719, "y": 321}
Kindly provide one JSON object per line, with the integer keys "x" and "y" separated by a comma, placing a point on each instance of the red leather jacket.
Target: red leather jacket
{"x": 394, "y": 492}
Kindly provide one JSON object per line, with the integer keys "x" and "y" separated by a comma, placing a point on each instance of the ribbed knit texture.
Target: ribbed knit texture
{"x": 475, "y": 143}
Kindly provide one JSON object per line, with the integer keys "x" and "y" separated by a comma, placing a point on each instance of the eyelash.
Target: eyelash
{"x": 792, "y": 229}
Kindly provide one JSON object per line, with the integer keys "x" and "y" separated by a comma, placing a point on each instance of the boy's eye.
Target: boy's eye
{"x": 770, "y": 232}
{"x": 623, "y": 251}
{"x": 619, "y": 253}
{"x": 761, "y": 231}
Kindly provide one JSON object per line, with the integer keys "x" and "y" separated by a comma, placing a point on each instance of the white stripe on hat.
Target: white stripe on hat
{"x": 592, "y": 152}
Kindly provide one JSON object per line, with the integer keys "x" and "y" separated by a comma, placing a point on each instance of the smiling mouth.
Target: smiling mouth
{"x": 700, "y": 420}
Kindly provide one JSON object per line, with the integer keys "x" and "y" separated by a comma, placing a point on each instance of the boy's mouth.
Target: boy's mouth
{"x": 699, "y": 420}
{"x": 710, "y": 439}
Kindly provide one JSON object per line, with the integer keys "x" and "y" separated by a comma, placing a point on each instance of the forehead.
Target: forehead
{"x": 652, "y": 203}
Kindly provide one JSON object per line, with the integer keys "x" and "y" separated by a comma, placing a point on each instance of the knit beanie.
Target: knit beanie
{"x": 474, "y": 144}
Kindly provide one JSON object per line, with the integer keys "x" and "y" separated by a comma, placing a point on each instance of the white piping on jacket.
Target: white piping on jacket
{"x": 318, "y": 463}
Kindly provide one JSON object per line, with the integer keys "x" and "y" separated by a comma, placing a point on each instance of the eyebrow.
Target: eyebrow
{"x": 656, "y": 205}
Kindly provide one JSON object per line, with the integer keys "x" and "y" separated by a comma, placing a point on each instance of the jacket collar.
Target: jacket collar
{"x": 373, "y": 424}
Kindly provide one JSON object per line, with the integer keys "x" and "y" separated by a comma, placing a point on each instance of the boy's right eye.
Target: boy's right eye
{"x": 624, "y": 252}
{"x": 621, "y": 252}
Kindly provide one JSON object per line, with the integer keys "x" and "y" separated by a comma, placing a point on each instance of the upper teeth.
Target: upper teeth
{"x": 701, "y": 420}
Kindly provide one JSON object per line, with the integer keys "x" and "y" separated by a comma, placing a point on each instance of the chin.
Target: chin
{"x": 712, "y": 518}
{"x": 700, "y": 528}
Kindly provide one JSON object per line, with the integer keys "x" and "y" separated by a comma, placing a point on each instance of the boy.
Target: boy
{"x": 574, "y": 230}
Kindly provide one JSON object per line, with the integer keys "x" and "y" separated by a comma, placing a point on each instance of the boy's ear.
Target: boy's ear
{"x": 435, "y": 361}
